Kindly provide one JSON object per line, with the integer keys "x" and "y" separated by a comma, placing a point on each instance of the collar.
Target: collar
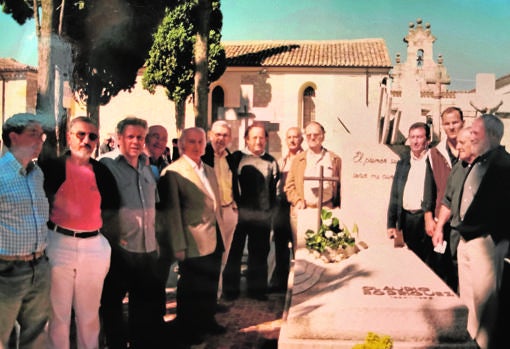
{"x": 485, "y": 156}
{"x": 421, "y": 157}
{"x": 18, "y": 167}
{"x": 248, "y": 152}
{"x": 193, "y": 164}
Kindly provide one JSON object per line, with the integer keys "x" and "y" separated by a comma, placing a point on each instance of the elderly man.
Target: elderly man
{"x": 83, "y": 198}
{"x": 24, "y": 268}
{"x": 479, "y": 210}
{"x": 219, "y": 157}
{"x": 155, "y": 145}
{"x": 281, "y": 223}
{"x": 256, "y": 177}
{"x": 135, "y": 264}
{"x": 303, "y": 193}
{"x": 190, "y": 210}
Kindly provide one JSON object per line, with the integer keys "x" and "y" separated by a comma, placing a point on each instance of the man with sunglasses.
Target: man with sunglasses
{"x": 83, "y": 198}
{"x": 24, "y": 268}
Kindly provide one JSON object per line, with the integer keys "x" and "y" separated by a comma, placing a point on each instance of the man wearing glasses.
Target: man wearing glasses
{"x": 24, "y": 268}
{"x": 83, "y": 197}
{"x": 302, "y": 193}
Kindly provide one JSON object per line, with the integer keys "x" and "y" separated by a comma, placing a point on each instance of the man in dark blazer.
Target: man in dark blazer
{"x": 410, "y": 195}
{"x": 479, "y": 212}
{"x": 190, "y": 212}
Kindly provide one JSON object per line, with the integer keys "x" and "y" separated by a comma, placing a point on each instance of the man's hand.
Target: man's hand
{"x": 300, "y": 205}
{"x": 392, "y": 233}
{"x": 430, "y": 224}
{"x": 437, "y": 237}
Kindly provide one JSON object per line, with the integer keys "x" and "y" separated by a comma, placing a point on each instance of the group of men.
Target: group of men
{"x": 80, "y": 234}
{"x": 449, "y": 203}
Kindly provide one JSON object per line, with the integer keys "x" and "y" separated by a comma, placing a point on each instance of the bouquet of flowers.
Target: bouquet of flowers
{"x": 333, "y": 242}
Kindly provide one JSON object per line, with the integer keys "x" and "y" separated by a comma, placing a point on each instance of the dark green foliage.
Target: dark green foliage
{"x": 19, "y": 10}
{"x": 112, "y": 39}
{"x": 171, "y": 58}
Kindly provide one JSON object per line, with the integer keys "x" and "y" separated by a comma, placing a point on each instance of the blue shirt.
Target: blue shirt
{"x": 24, "y": 208}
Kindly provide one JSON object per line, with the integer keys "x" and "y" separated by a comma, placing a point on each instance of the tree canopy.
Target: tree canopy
{"x": 171, "y": 61}
{"x": 109, "y": 40}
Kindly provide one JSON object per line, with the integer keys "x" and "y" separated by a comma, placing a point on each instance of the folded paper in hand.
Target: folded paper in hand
{"x": 441, "y": 248}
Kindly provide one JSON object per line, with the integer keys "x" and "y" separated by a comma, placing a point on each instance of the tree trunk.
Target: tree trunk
{"x": 201, "y": 67}
{"x": 180, "y": 115}
{"x": 45, "y": 80}
{"x": 55, "y": 67}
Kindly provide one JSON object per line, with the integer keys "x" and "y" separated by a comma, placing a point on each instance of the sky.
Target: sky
{"x": 473, "y": 36}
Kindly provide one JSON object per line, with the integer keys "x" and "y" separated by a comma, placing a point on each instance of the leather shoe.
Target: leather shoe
{"x": 230, "y": 296}
{"x": 258, "y": 296}
{"x": 215, "y": 329}
{"x": 222, "y": 308}
{"x": 194, "y": 339}
{"x": 277, "y": 289}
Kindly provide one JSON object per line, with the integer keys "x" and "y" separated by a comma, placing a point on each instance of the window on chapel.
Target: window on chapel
{"x": 218, "y": 101}
{"x": 308, "y": 106}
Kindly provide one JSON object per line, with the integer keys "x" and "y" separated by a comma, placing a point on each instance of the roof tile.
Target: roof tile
{"x": 335, "y": 53}
{"x": 10, "y": 65}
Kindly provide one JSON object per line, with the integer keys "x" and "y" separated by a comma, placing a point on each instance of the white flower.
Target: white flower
{"x": 329, "y": 234}
{"x": 328, "y": 222}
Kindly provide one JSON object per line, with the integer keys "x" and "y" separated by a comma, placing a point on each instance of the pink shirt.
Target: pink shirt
{"x": 77, "y": 204}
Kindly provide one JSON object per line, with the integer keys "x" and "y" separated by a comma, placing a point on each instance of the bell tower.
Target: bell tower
{"x": 418, "y": 81}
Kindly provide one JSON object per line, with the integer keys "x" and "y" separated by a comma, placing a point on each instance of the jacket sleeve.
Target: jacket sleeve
{"x": 430, "y": 190}
{"x": 290, "y": 185}
{"x": 393, "y": 202}
{"x": 110, "y": 202}
{"x": 170, "y": 229}
{"x": 337, "y": 196}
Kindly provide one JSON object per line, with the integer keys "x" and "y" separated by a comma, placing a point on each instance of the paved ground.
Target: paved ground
{"x": 251, "y": 324}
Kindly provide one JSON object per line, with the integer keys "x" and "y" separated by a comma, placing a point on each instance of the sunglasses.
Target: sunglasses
{"x": 81, "y": 135}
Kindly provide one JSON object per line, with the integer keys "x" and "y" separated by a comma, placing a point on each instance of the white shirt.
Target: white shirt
{"x": 415, "y": 184}
{"x": 199, "y": 170}
{"x": 311, "y": 187}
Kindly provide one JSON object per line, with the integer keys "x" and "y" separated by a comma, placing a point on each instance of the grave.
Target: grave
{"x": 381, "y": 289}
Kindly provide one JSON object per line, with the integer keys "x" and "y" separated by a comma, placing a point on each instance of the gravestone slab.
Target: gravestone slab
{"x": 381, "y": 289}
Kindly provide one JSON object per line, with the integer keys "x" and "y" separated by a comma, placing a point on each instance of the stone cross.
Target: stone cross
{"x": 321, "y": 180}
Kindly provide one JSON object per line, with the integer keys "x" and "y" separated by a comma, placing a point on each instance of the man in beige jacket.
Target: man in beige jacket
{"x": 190, "y": 212}
{"x": 303, "y": 193}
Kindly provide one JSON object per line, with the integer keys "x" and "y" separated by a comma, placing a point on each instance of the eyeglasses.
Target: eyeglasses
{"x": 81, "y": 135}
{"x": 37, "y": 135}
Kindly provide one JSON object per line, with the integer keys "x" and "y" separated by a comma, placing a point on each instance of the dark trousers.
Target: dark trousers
{"x": 500, "y": 340}
{"x": 447, "y": 265}
{"x": 282, "y": 237}
{"x": 413, "y": 229}
{"x": 197, "y": 290}
{"x": 257, "y": 232}
{"x": 143, "y": 277}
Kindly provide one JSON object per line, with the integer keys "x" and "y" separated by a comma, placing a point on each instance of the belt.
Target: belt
{"x": 25, "y": 258}
{"x": 76, "y": 234}
{"x": 413, "y": 211}
{"x": 325, "y": 203}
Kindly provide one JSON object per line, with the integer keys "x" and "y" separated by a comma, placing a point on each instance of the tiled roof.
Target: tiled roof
{"x": 502, "y": 81}
{"x": 337, "y": 53}
{"x": 12, "y": 65}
